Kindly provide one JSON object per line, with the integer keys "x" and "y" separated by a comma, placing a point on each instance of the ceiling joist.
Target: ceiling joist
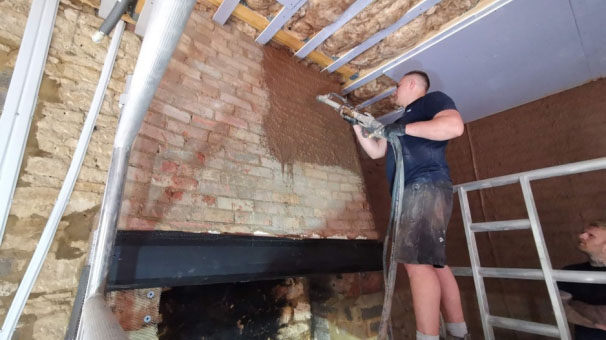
{"x": 259, "y": 22}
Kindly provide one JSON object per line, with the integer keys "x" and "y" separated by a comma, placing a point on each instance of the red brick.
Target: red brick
{"x": 135, "y": 223}
{"x": 216, "y": 105}
{"x": 131, "y": 207}
{"x": 161, "y": 135}
{"x": 218, "y": 139}
{"x": 231, "y": 120}
{"x": 251, "y": 80}
{"x": 244, "y": 135}
{"x": 195, "y": 107}
{"x": 174, "y": 182}
{"x": 155, "y": 118}
{"x": 227, "y": 98}
{"x": 156, "y": 210}
{"x": 167, "y": 166}
{"x": 183, "y": 68}
{"x": 220, "y": 46}
{"x": 205, "y": 50}
{"x": 141, "y": 159}
{"x": 201, "y": 87}
{"x": 250, "y": 116}
{"x": 207, "y": 69}
{"x": 170, "y": 111}
{"x": 252, "y": 98}
{"x": 235, "y": 84}
{"x": 211, "y": 125}
{"x": 136, "y": 190}
{"x": 187, "y": 131}
{"x": 138, "y": 175}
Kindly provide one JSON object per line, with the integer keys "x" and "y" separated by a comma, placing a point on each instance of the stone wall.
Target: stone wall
{"x": 346, "y": 306}
{"x": 70, "y": 77}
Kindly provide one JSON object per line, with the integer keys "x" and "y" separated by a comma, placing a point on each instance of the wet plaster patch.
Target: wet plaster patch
{"x": 298, "y": 128}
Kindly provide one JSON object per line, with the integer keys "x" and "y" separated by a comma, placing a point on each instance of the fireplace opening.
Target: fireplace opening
{"x": 247, "y": 310}
{"x": 321, "y": 306}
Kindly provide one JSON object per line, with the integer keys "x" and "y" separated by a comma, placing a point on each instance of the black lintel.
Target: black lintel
{"x": 145, "y": 259}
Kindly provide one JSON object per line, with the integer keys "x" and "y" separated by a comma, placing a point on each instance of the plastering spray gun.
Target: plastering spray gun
{"x": 390, "y": 132}
{"x": 350, "y": 114}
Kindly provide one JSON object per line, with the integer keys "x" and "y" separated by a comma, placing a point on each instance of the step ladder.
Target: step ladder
{"x": 546, "y": 273}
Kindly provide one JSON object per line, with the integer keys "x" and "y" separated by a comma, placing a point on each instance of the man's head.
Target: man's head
{"x": 592, "y": 241}
{"x": 412, "y": 86}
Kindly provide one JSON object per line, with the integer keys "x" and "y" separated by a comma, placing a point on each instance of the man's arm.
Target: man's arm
{"x": 582, "y": 314}
{"x": 374, "y": 147}
{"x": 445, "y": 125}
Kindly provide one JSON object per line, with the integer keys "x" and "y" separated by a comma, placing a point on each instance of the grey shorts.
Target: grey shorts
{"x": 421, "y": 235}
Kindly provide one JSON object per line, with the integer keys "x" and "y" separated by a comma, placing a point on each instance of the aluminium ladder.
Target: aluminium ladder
{"x": 546, "y": 272}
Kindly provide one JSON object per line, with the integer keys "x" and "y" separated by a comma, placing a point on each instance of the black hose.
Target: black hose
{"x": 390, "y": 269}
{"x": 112, "y": 19}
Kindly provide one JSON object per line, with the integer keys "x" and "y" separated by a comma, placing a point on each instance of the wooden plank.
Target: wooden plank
{"x": 259, "y": 22}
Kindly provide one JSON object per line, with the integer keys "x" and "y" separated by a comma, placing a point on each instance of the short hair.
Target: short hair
{"x": 421, "y": 74}
{"x": 600, "y": 224}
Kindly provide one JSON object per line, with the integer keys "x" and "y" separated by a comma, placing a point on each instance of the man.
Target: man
{"x": 585, "y": 303}
{"x": 429, "y": 121}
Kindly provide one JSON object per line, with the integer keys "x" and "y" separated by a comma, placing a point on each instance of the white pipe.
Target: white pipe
{"x": 166, "y": 25}
{"x": 21, "y": 99}
{"x": 46, "y": 239}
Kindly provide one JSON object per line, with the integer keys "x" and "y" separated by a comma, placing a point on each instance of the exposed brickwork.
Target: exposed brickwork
{"x": 200, "y": 161}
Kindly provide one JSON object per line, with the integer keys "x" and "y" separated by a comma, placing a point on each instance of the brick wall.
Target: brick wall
{"x": 559, "y": 129}
{"x": 70, "y": 77}
{"x": 200, "y": 162}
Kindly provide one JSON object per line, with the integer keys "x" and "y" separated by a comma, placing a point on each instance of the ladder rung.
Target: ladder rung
{"x": 501, "y": 225}
{"x": 524, "y": 326}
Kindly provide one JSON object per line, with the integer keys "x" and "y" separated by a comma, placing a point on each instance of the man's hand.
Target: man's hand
{"x": 390, "y": 131}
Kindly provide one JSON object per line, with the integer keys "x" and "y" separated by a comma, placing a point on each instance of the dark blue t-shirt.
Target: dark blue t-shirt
{"x": 423, "y": 158}
{"x": 589, "y": 293}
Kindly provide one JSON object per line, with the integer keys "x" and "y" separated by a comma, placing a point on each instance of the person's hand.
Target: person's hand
{"x": 390, "y": 131}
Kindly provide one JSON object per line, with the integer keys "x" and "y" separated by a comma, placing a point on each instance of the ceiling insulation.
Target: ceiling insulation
{"x": 379, "y": 15}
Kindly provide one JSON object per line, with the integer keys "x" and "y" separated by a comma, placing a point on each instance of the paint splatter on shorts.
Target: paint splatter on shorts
{"x": 421, "y": 235}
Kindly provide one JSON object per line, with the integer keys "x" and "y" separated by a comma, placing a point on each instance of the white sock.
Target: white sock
{"x": 458, "y": 329}
{"x": 421, "y": 336}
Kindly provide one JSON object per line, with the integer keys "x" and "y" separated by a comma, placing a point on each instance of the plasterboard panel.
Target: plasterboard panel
{"x": 524, "y": 51}
{"x": 590, "y": 17}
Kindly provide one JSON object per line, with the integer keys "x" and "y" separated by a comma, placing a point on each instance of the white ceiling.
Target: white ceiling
{"x": 524, "y": 51}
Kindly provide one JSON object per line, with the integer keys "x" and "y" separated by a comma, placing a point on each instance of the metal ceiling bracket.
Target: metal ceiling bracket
{"x": 377, "y": 98}
{"x": 22, "y": 97}
{"x": 410, "y": 15}
{"x": 224, "y": 11}
{"x": 276, "y": 24}
{"x": 329, "y": 30}
{"x": 458, "y": 26}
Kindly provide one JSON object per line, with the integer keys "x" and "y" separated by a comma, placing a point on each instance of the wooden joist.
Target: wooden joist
{"x": 259, "y": 22}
